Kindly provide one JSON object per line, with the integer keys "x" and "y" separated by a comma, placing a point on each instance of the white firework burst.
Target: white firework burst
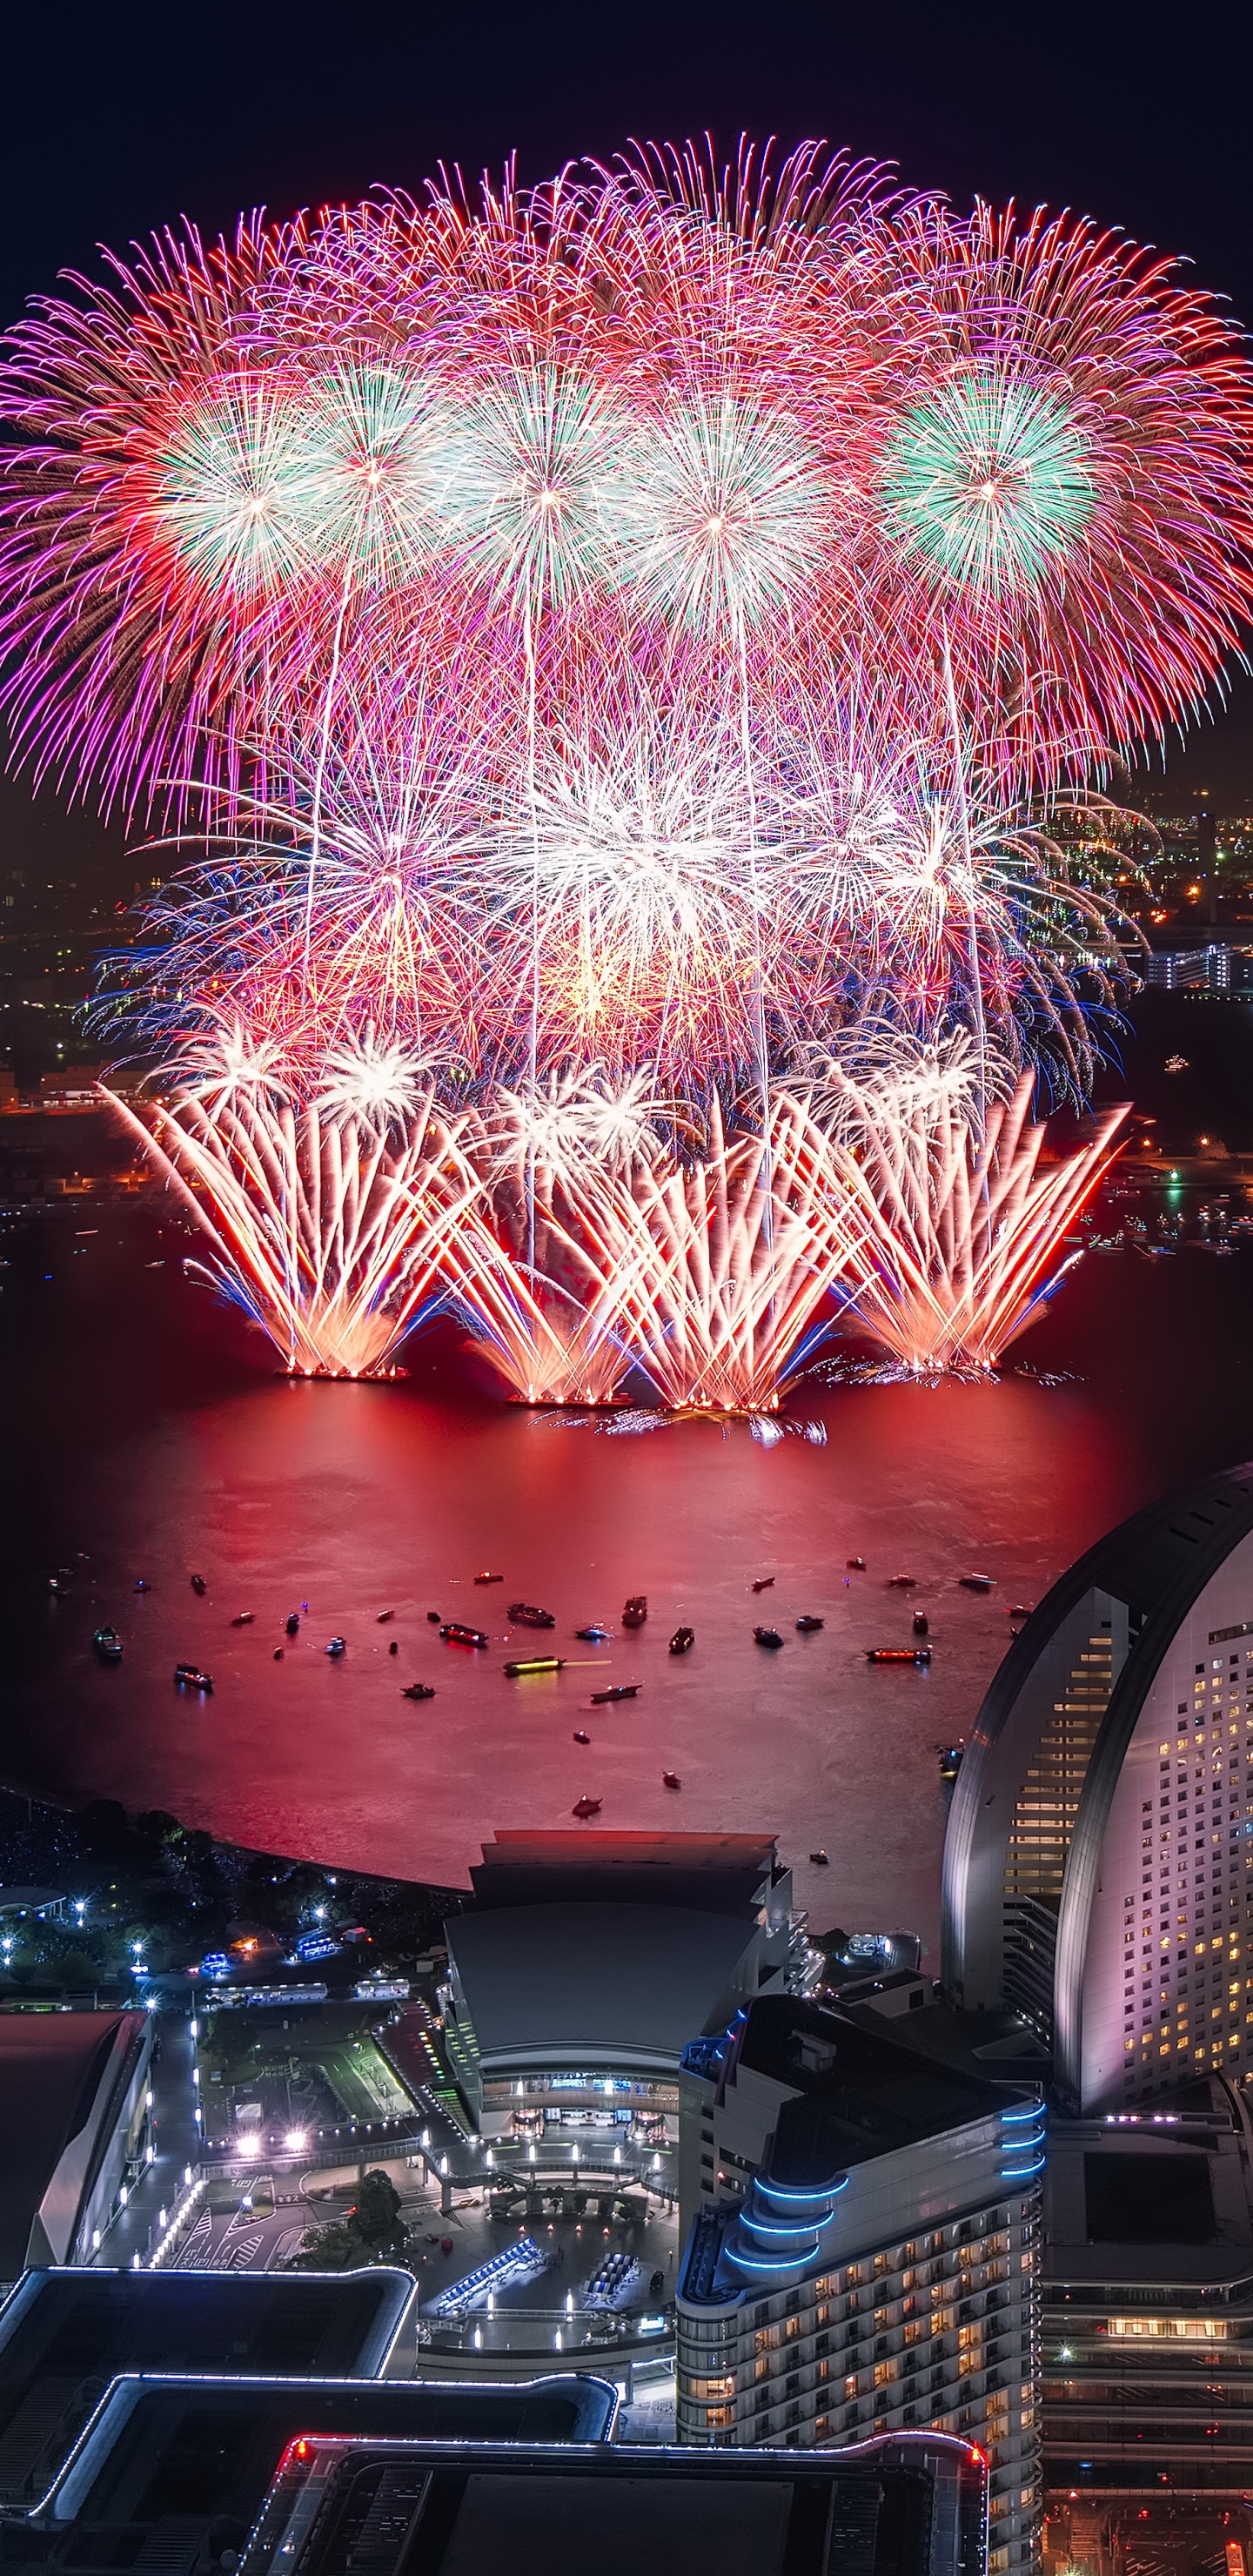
{"x": 520, "y": 481}
{"x": 229, "y": 1063}
{"x": 629, "y": 864}
{"x": 376, "y": 1083}
{"x": 722, "y": 514}
{"x": 377, "y": 438}
{"x": 237, "y": 489}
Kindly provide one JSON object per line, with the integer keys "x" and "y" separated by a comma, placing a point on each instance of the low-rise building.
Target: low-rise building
{"x": 588, "y": 1962}
{"x": 862, "y": 2250}
{"x": 912, "y": 2506}
{"x": 65, "y": 2334}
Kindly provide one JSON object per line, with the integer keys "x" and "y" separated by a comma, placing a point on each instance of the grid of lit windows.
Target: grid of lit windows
{"x": 932, "y": 2332}
{"x": 1187, "y": 1950}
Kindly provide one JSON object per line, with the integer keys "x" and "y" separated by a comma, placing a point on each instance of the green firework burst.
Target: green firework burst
{"x": 989, "y": 482}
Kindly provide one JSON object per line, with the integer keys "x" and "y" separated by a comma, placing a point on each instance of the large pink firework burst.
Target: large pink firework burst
{"x": 1065, "y": 495}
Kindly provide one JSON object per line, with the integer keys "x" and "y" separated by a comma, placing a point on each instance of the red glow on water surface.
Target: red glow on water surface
{"x": 351, "y": 1496}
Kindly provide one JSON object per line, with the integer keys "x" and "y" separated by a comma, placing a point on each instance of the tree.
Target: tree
{"x": 375, "y": 2218}
{"x": 372, "y": 2231}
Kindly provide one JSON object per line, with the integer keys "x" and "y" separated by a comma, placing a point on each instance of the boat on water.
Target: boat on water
{"x": 291, "y": 1623}
{"x": 809, "y": 1625}
{"x": 682, "y": 1639}
{"x": 243, "y": 1619}
{"x": 383, "y": 1617}
{"x": 768, "y": 1637}
{"x": 198, "y": 1584}
{"x": 1021, "y": 1610}
{"x": 489, "y": 1578}
{"x": 525, "y": 1615}
{"x": 976, "y": 1582}
{"x": 394, "y": 1648}
{"x": 951, "y": 1759}
{"x": 108, "y": 1645}
{"x": 434, "y": 1616}
{"x": 337, "y": 1647}
{"x": 635, "y": 1611}
{"x": 618, "y": 1690}
{"x": 458, "y": 1634}
{"x": 921, "y": 1623}
{"x": 581, "y": 1736}
{"x": 587, "y": 1807}
{"x": 142, "y": 1584}
{"x": 534, "y": 1664}
{"x": 595, "y": 1635}
{"x": 855, "y": 1564}
{"x": 190, "y": 1677}
{"x": 898, "y": 1654}
{"x": 821, "y": 1859}
{"x": 418, "y": 1690}
{"x": 671, "y": 1780}
{"x": 764, "y": 1583}
{"x": 902, "y": 1582}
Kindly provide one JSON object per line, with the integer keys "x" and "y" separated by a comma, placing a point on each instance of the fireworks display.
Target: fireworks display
{"x": 611, "y": 660}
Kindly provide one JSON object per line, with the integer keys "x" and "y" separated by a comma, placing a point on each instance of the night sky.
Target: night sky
{"x": 120, "y": 118}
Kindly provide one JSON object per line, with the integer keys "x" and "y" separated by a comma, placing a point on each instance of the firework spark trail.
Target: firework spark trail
{"x": 728, "y": 1259}
{"x": 330, "y": 1238}
{"x": 552, "y": 1286}
{"x": 960, "y": 1225}
{"x": 779, "y": 416}
{"x": 1068, "y": 489}
{"x": 496, "y": 583}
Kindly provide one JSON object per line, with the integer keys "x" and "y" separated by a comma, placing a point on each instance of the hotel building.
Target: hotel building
{"x": 1098, "y": 1867}
{"x": 863, "y": 2249}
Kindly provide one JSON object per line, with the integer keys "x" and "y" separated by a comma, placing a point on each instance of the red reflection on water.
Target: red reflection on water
{"x": 358, "y": 1499}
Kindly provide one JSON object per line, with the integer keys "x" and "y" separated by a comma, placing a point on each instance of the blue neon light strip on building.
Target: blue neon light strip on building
{"x": 1034, "y": 2112}
{"x": 760, "y": 2228}
{"x": 1019, "y": 2173}
{"x": 747, "y": 2263}
{"x": 829, "y": 2191}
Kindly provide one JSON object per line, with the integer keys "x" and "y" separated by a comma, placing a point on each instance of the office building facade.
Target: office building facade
{"x": 862, "y": 2249}
{"x": 1098, "y": 1866}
